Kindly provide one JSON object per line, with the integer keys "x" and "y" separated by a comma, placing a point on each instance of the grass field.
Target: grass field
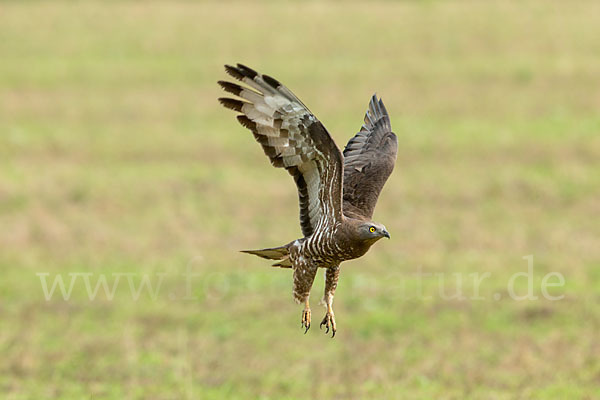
{"x": 118, "y": 162}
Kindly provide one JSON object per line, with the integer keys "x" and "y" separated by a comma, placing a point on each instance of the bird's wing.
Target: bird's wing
{"x": 294, "y": 139}
{"x": 369, "y": 159}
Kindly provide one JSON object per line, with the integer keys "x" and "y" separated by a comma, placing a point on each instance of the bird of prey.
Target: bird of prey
{"x": 337, "y": 191}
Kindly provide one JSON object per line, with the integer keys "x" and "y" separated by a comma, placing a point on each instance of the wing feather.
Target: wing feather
{"x": 293, "y": 138}
{"x": 369, "y": 159}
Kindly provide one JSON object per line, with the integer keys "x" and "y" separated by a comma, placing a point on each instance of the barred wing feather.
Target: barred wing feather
{"x": 369, "y": 159}
{"x": 294, "y": 139}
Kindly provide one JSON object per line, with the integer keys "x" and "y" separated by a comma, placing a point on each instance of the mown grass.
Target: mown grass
{"x": 116, "y": 158}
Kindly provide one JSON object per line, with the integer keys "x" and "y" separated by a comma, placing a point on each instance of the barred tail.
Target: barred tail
{"x": 276, "y": 253}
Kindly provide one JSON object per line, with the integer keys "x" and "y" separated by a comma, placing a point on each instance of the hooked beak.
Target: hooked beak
{"x": 386, "y": 234}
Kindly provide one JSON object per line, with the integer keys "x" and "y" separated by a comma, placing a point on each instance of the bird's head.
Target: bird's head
{"x": 372, "y": 231}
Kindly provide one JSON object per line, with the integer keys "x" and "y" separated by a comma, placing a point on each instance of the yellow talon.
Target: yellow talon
{"x": 306, "y": 317}
{"x": 329, "y": 322}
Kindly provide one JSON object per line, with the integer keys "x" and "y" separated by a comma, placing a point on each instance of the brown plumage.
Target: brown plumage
{"x": 337, "y": 192}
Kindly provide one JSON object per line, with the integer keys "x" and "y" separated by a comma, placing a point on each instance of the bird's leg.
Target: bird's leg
{"x": 306, "y": 316}
{"x": 304, "y": 275}
{"x": 331, "y": 278}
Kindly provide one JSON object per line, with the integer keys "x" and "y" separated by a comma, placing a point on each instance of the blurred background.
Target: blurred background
{"x": 117, "y": 163}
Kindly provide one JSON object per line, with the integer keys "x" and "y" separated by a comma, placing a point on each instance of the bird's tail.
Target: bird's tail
{"x": 275, "y": 253}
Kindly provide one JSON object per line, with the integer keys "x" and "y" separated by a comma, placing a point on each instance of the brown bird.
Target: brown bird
{"x": 337, "y": 192}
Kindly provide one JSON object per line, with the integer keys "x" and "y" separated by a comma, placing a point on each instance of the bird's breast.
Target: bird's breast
{"x": 326, "y": 248}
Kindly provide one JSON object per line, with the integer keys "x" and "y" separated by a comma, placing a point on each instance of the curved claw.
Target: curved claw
{"x": 305, "y": 320}
{"x": 329, "y": 322}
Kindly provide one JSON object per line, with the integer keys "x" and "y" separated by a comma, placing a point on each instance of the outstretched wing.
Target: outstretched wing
{"x": 294, "y": 139}
{"x": 369, "y": 159}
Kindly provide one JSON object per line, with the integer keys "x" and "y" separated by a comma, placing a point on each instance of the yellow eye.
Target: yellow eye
{"x": 372, "y": 229}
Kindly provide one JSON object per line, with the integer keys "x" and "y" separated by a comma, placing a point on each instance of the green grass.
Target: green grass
{"x": 116, "y": 158}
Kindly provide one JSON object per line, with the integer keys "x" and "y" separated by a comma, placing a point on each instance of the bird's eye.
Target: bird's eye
{"x": 372, "y": 229}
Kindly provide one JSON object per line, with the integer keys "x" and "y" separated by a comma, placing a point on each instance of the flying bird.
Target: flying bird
{"x": 337, "y": 191}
